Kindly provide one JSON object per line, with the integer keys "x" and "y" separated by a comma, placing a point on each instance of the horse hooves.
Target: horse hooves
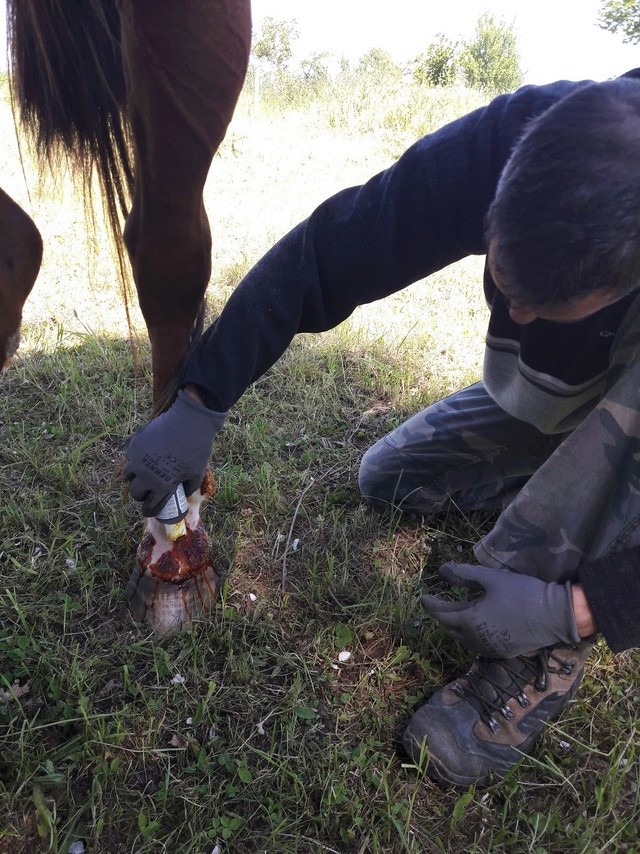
{"x": 169, "y": 607}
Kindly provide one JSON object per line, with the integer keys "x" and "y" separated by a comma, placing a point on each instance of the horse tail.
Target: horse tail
{"x": 69, "y": 92}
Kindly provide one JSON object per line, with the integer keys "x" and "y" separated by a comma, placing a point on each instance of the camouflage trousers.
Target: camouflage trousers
{"x": 565, "y": 498}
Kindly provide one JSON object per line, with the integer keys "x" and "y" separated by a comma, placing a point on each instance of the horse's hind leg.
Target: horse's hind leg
{"x": 20, "y": 257}
{"x": 184, "y": 65}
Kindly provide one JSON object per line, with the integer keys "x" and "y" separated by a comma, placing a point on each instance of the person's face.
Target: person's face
{"x": 570, "y": 311}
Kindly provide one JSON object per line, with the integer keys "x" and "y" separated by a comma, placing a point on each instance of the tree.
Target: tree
{"x": 490, "y": 60}
{"x": 621, "y": 16}
{"x": 378, "y": 65}
{"x": 274, "y": 44}
{"x": 439, "y": 65}
{"x": 315, "y": 72}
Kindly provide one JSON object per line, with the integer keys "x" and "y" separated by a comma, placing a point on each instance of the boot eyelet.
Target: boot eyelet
{"x": 523, "y": 700}
{"x": 493, "y": 725}
{"x": 506, "y": 712}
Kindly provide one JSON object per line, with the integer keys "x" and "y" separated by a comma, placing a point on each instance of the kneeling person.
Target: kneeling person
{"x": 546, "y": 183}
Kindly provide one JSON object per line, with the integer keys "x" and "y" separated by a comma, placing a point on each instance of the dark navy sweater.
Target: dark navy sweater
{"x": 420, "y": 215}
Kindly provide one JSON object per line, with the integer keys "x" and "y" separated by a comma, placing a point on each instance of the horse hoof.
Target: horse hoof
{"x": 173, "y": 582}
{"x": 168, "y": 607}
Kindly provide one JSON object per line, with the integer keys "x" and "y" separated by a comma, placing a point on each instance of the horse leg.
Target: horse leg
{"x": 20, "y": 257}
{"x": 184, "y": 66}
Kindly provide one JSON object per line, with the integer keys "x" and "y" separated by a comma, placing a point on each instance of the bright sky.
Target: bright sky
{"x": 557, "y": 38}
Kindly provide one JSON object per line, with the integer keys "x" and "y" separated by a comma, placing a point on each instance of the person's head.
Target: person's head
{"x": 564, "y": 227}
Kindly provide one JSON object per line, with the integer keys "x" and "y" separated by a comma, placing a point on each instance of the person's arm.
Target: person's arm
{"x": 583, "y": 615}
{"x": 364, "y": 243}
{"x": 193, "y": 392}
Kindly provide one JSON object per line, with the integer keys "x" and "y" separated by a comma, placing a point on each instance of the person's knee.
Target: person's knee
{"x": 374, "y": 475}
{"x": 382, "y": 478}
{"x": 387, "y": 479}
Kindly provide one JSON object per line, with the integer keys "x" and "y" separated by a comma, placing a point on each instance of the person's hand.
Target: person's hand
{"x": 174, "y": 448}
{"x": 516, "y": 613}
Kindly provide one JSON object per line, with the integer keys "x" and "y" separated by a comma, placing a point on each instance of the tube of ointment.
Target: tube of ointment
{"x": 173, "y": 512}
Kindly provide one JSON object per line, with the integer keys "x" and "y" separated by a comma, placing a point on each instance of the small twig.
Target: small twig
{"x": 283, "y": 583}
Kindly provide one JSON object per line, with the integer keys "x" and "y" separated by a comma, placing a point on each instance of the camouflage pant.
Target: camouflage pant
{"x": 565, "y": 497}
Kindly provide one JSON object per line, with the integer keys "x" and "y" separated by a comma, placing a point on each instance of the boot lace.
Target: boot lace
{"x": 494, "y": 682}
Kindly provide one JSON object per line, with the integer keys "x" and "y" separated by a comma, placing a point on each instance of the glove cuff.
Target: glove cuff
{"x": 571, "y": 617}
{"x": 552, "y": 609}
{"x": 217, "y": 419}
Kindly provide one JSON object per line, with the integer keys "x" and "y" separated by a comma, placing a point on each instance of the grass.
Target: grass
{"x": 250, "y": 733}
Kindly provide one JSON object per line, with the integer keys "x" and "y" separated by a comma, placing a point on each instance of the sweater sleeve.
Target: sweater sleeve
{"x": 418, "y": 216}
{"x": 612, "y": 587}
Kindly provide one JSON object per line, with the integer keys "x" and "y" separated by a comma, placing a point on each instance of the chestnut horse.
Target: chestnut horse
{"x": 140, "y": 92}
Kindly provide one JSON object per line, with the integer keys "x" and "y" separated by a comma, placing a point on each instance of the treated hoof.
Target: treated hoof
{"x": 168, "y": 607}
{"x": 173, "y": 582}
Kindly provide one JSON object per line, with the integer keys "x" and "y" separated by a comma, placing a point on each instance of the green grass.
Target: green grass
{"x": 249, "y": 733}
{"x": 267, "y": 742}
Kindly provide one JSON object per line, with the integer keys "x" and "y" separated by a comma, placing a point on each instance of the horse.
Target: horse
{"x": 140, "y": 93}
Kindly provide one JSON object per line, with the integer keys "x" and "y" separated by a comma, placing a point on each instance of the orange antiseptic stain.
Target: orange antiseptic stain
{"x": 213, "y": 591}
{"x": 208, "y": 485}
{"x": 187, "y": 557}
{"x": 145, "y": 548}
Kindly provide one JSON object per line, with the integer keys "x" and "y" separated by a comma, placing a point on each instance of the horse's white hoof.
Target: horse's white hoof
{"x": 173, "y": 583}
{"x": 168, "y": 607}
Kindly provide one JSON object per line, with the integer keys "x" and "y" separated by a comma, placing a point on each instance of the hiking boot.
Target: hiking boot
{"x": 479, "y": 726}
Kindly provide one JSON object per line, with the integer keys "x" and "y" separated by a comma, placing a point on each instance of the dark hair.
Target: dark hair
{"x": 566, "y": 215}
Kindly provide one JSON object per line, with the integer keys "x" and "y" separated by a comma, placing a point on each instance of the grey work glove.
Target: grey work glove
{"x": 174, "y": 448}
{"x": 517, "y": 613}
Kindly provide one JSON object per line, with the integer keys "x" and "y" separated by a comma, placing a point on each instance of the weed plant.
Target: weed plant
{"x": 397, "y": 110}
{"x": 275, "y": 725}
